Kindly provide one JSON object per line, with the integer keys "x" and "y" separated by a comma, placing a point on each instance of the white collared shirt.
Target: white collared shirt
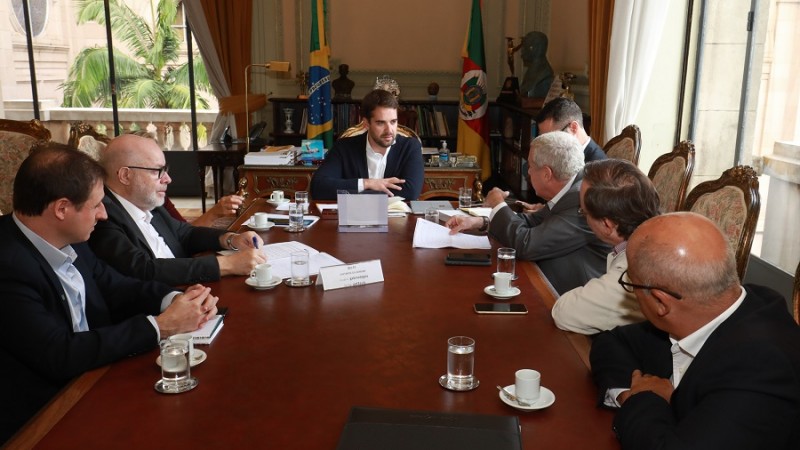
{"x": 376, "y": 164}
{"x": 142, "y": 220}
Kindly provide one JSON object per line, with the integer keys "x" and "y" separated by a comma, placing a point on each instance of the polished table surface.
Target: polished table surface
{"x": 291, "y": 362}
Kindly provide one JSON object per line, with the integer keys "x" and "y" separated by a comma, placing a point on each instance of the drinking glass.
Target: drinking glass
{"x": 460, "y": 362}
{"x": 464, "y": 197}
{"x": 507, "y": 261}
{"x": 301, "y": 198}
{"x": 295, "y": 217}
{"x": 176, "y": 372}
{"x": 300, "y": 275}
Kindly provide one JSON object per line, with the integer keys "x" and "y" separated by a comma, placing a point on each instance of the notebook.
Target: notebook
{"x": 394, "y": 429}
{"x": 419, "y": 206}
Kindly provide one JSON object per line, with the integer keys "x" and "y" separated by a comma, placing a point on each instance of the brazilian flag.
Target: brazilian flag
{"x": 320, "y": 112}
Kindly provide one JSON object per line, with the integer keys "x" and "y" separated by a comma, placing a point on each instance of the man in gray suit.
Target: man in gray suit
{"x": 555, "y": 235}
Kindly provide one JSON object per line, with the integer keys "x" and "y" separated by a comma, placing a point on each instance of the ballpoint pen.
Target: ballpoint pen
{"x": 255, "y": 242}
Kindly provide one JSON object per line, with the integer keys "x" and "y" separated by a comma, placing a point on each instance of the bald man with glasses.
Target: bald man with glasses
{"x": 142, "y": 240}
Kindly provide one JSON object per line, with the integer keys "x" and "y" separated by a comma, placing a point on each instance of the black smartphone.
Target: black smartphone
{"x": 500, "y": 308}
{"x": 468, "y": 259}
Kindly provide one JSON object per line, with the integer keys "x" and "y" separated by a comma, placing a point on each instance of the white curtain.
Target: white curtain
{"x": 220, "y": 86}
{"x": 636, "y": 32}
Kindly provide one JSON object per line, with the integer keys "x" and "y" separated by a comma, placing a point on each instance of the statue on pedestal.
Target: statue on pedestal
{"x": 539, "y": 74}
{"x": 343, "y": 86}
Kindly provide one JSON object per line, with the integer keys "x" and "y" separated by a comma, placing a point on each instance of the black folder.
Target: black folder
{"x": 394, "y": 429}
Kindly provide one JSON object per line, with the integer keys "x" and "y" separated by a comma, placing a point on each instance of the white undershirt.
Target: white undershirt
{"x": 376, "y": 164}
{"x": 142, "y": 220}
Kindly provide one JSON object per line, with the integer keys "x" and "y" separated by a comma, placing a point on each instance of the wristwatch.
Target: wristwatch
{"x": 485, "y": 225}
{"x": 229, "y": 242}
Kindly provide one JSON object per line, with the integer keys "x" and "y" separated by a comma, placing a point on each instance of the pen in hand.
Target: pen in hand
{"x": 255, "y": 242}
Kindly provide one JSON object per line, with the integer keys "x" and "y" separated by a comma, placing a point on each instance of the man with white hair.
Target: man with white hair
{"x": 555, "y": 236}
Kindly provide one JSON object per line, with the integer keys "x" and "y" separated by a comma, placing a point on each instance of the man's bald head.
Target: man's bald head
{"x": 683, "y": 252}
{"x": 132, "y": 164}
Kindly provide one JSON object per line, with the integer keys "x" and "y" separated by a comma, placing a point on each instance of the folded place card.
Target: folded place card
{"x": 349, "y": 275}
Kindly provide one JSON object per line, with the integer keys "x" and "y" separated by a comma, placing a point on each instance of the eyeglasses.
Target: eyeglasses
{"x": 160, "y": 170}
{"x": 581, "y": 212}
{"x": 629, "y": 287}
{"x": 564, "y": 128}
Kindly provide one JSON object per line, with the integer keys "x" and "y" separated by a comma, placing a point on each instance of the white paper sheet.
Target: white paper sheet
{"x": 430, "y": 235}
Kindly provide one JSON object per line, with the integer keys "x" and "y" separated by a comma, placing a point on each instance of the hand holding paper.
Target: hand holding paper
{"x": 430, "y": 235}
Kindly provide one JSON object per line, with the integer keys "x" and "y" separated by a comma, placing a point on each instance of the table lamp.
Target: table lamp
{"x": 272, "y": 66}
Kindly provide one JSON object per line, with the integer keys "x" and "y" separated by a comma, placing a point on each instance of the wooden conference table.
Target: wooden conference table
{"x": 291, "y": 362}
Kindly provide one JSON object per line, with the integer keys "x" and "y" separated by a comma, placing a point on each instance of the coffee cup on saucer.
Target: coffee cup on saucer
{"x": 502, "y": 283}
{"x": 262, "y": 274}
{"x": 276, "y": 196}
{"x": 527, "y": 385}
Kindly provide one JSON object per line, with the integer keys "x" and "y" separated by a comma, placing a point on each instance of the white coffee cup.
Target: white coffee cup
{"x": 188, "y": 338}
{"x": 526, "y": 385}
{"x": 502, "y": 282}
{"x": 260, "y": 219}
{"x": 276, "y": 196}
{"x": 262, "y": 274}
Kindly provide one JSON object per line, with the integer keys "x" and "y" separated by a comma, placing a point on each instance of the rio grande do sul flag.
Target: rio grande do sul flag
{"x": 320, "y": 111}
{"x": 473, "y": 122}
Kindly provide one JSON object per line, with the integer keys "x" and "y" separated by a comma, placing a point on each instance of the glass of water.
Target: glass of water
{"x": 176, "y": 372}
{"x": 507, "y": 261}
{"x": 301, "y": 198}
{"x": 300, "y": 275}
{"x": 464, "y": 197}
{"x": 295, "y": 218}
{"x": 461, "y": 363}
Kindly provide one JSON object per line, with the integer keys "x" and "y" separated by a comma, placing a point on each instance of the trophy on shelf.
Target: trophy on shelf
{"x": 566, "y": 82}
{"x": 302, "y": 80}
{"x": 287, "y": 126}
{"x": 510, "y": 91}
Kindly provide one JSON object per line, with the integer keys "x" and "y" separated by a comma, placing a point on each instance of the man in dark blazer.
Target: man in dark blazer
{"x": 563, "y": 114}
{"x": 65, "y": 311}
{"x": 717, "y": 365}
{"x": 554, "y": 235}
{"x": 141, "y": 239}
{"x": 377, "y": 160}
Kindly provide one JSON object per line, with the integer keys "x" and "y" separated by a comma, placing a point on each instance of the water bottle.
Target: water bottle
{"x": 444, "y": 155}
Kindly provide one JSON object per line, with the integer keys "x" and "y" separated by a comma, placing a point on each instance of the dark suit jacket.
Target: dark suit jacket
{"x": 346, "y": 162}
{"x": 120, "y": 243}
{"x": 559, "y": 241}
{"x": 593, "y": 152}
{"x": 39, "y": 352}
{"x": 742, "y": 391}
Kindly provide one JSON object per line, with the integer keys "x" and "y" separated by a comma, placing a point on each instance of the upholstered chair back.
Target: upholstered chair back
{"x": 626, "y": 145}
{"x": 16, "y": 140}
{"x": 670, "y": 174}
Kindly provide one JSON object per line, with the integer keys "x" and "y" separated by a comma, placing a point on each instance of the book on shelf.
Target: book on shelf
{"x": 269, "y": 156}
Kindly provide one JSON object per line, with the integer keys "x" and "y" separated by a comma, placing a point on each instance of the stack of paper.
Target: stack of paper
{"x": 430, "y": 235}
{"x": 397, "y": 207}
{"x": 478, "y": 211}
{"x": 209, "y": 331}
{"x": 280, "y": 257}
{"x": 271, "y": 157}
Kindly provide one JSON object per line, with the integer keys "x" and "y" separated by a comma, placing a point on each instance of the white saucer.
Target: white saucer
{"x": 250, "y": 281}
{"x": 443, "y": 383}
{"x": 278, "y": 202}
{"x": 198, "y": 357}
{"x": 252, "y": 226}
{"x": 512, "y": 293}
{"x": 546, "y": 398}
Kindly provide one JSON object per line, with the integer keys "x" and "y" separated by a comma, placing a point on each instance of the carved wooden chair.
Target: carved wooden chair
{"x": 796, "y": 295}
{"x": 626, "y": 145}
{"x": 86, "y": 139}
{"x": 732, "y": 202}
{"x": 16, "y": 140}
{"x": 361, "y": 128}
{"x": 670, "y": 174}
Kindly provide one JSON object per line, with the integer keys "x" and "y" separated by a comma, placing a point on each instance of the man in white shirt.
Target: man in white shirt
{"x": 378, "y": 160}
{"x": 716, "y": 365}
{"x": 141, "y": 239}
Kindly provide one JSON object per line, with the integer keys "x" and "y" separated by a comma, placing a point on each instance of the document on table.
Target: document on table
{"x": 280, "y": 257}
{"x": 431, "y": 235}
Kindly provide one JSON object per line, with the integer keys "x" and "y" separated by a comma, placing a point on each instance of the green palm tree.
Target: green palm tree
{"x": 148, "y": 77}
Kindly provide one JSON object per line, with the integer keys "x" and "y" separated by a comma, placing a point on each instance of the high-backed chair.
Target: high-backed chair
{"x": 626, "y": 145}
{"x": 86, "y": 139}
{"x": 361, "y": 128}
{"x": 732, "y": 202}
{"x": 796, "y": 295}
{"x": 670, "y": 174}
{"x": 16, "y": 140}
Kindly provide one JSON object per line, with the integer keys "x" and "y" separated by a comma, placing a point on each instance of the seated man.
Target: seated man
{"x": 565, "y": 115}
{"x": 142, "y": 240}
{"x": 378, "y": 160}
{"x": 555, "y": 236}
{"x": 716, "y": 366}
{"x": 64, "y": 310}
{"x": 615, "y": 198}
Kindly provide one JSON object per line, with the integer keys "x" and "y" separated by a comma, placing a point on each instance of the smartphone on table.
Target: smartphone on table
{"x": 500, "y": 308}
{"x": 468, "y": 259}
